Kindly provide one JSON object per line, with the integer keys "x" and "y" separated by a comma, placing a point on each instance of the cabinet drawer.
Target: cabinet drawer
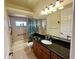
{"x": 43, "y": 49}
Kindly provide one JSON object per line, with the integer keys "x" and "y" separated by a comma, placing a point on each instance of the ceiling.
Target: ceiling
{"x": 29, "y": 6}
{"x": 24, "y": 3}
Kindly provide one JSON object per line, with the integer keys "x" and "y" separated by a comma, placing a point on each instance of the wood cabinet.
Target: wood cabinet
{"x": 55, "y": 56}
{"x": 42, "y": 52}
{"x": 35, "y": 49}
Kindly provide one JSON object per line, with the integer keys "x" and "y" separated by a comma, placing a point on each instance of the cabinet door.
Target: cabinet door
{"x": 54, "y": 56}
{"x": 44, "y": 49}
{"x": 40, "y": 51}
{"x": 44, "y": 56}
{"x": 44, "y": 52}
{"x": 36, "y": 49}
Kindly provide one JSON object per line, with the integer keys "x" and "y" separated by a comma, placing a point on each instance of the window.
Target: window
{"x": 21, "y": 23}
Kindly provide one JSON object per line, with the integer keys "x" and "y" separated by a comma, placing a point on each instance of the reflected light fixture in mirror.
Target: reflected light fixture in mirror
{"x": 60, "y": 7}
{"x": 57, "y": 4}
{"x": 46, "y": 11}
{"x": 52, "y": 8}
{"x": 43, "y": 12}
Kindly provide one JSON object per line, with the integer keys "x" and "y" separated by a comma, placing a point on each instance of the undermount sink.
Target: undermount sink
{"x": 46, "y": 42}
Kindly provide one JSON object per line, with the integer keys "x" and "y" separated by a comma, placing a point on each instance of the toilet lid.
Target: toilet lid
{"x": 30, "y": 43}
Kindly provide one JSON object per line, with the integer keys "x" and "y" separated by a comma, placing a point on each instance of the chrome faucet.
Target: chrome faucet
{"x": 68, "y": 37}
{"x": 47, "y": 36}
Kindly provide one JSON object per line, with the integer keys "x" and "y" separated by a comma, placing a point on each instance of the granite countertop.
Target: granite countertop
{"x": 62, "y": 39}
{"x": 56, "y": 48}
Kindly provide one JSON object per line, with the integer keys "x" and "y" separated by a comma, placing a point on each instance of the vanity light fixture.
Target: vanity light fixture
{"x": 53, "y": 8}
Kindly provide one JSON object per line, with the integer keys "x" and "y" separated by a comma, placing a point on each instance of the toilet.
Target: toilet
{"x": 30, "y": 45}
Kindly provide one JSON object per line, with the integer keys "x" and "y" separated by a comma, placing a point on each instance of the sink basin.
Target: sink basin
{"x": 46, "y": 42}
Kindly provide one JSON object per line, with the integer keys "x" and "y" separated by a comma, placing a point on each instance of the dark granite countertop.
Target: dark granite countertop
{"x": 56, "y": 48}
{"x": 62, "y": 39}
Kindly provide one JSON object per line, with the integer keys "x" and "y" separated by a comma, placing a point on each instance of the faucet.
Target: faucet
{"x": 47, "y": 36}
{"x": 68, "y": 37}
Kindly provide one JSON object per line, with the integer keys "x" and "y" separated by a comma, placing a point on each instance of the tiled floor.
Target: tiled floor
{"x": 22, "y": 51}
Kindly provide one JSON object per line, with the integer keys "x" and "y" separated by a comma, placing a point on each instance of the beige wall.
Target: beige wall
{"x": 6, "y": 37}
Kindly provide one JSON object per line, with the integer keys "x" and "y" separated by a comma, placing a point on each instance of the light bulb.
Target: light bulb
{"x": 60, "y": 7}
{"x": 50, "y": 7}
{"x": 46, "y": 11}
{"x": 54, "y": 9}
{"x": 42, "y": 12}
{"x": 49, "y": 12}
{"x": 57, "y": 4}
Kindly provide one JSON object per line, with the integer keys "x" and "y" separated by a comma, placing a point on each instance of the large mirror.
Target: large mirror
{"x": 60, "y": 22}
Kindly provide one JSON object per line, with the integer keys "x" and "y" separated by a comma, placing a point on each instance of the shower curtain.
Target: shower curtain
{"x": 35, "y": 26}
{"x": 32, "y": 25}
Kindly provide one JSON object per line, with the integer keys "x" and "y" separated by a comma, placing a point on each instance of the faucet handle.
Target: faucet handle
{"x": 46, "y": 37}
{"x": 68, "y": 37}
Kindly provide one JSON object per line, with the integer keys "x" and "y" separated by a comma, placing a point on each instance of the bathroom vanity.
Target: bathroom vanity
{"x": 57, "y": 50}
